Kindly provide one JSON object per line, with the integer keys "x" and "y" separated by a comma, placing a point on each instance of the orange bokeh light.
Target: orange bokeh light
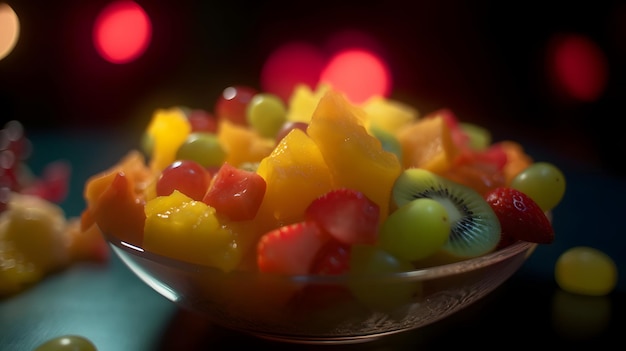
{"x": 122, "y": 32}
{"x": 360, "y": 74}
{"x": 9, "y": 30}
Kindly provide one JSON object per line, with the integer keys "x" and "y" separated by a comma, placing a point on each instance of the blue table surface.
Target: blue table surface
{"x": 117, "y": 312}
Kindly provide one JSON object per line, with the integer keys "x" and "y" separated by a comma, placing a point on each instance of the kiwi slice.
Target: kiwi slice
{"x": 475, "y": 228}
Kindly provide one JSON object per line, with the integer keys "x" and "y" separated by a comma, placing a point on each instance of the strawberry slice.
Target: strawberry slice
{"x": 520, "y": 217}
{"x": 333, "y": 258}
{"x": 235, "y": 192}
{"x": 346, "y": 214}
{"x": 290, "y": 249}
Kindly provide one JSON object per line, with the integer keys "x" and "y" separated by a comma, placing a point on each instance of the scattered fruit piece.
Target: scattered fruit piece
{"x": 67, "y": 343}
{"x": 586, "y": 270}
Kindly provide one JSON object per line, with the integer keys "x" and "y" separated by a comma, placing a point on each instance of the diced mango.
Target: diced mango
{"x": 388, "y": 115}
{"x": 242, "y": 144}
{"x": 427, "y": 143}
{"x": 118, "y": 210}
{"x": 303, "y": 102}
{"x": 179, "y": 227}
{"x": 134, "y": 168}
{"x": 355, "y": 158}
{"x": 295, "y": 174}
{"x": 517, "y": 159}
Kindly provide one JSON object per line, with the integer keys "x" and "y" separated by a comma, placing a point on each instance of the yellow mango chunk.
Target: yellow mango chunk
{"x": 242, "y": 144}
{"x": 303, "y": 102}
{"x": 295, "y": 174}
{"x": 355, "y": 158}
{"x": 388, "y": 115}
{"x": 427, "y": 143}
{"x": 168, "y": 129}
{"x": 178, "y": 227}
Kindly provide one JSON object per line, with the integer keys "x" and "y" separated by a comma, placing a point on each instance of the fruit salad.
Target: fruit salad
{"x": 36, "y": 238}
{"x": 320, "y": 185}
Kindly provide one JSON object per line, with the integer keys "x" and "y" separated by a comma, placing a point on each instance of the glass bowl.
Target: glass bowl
{"x": 324, "y": 309}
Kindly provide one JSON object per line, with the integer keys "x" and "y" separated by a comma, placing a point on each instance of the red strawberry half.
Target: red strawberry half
{"x": 346, "y": 214}
{"x": 333, "y": 258}
{"x": 290, "y": 249}
{"x": 520, "y": 217}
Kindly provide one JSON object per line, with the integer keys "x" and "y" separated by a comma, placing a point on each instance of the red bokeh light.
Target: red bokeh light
{"x": 579, "y": 67}
{"x": 122, "y": 32}
{"x": 292, "y": 63}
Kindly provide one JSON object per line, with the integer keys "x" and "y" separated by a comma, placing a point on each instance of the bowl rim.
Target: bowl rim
{"x": 425, "y": 273}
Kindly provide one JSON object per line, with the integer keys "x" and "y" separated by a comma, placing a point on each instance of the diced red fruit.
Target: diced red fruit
{"x": 481, "y": 170}
{"x": 235, "y": 193}
{"x": 186, "y": 176}
{"x": 202, "y": 121}
{"x": 290, "y": 249}
{"x": 346, "y": 214}
{"x": 520, "y": 217}
{"x": 492, "y": 159}
{"x": 333, "y": 258}
{"x": 233, "y": 102}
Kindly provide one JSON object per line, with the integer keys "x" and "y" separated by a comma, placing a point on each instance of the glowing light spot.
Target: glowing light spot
{"x": 359, "y": 74}
{"x": 9, "y": 30}
{"x": 292, "y": 63}
{"x": 122, "y": 32}
{"x": 579, "y": 66}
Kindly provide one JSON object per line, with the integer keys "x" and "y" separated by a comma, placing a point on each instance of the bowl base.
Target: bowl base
{"x": 318, "y": 340}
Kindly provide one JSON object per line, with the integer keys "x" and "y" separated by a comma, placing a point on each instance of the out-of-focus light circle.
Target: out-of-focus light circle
{"x": 579, "y": 66}
{"x": 359, "y": 74}
{"x": 291, "y": 64}
{"x": 9, "y": 30}
{"x": 122, "y": 31}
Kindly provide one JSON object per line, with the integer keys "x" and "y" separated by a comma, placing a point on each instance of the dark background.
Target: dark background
{"x": 483, "y": 59}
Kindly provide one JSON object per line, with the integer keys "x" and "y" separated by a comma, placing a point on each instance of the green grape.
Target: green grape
{"x": 479, "y": 137}
{"x": 416, "y": 230}
{"x": 586, "y": 271}
{"x": 266, "y": 114}
{"x": 367, "y": 261}
{"x": 67, "y": 343}
{"x": 543, "y": 182}
{"x": 202, "y": 147}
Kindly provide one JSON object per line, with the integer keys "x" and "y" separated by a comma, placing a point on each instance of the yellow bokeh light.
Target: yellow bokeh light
{"x": 9, "y": 30}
